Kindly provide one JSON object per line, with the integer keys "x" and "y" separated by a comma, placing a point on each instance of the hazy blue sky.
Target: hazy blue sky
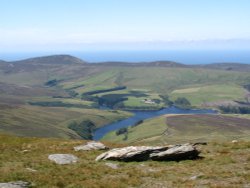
{"x": 138, "y": 24}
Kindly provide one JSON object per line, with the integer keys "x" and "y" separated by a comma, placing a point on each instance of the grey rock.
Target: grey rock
{"x": 176, "y": 153}
{"x": 131, "y": 153}
{"x": 158, "y": 153}
{"x": 63, "y": 158}
{"x": 112, "y": 165}
{"x": 91, "y": 146}
{"x": 16, "y": 184}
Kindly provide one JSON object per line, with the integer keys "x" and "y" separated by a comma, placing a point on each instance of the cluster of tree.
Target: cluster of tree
{"x": 84, "y": 129}
{"x": 122, "y": 131}
{"x": 72, "y": 93}
{"x": 51, "y": 83}
{"x": 166, "y": 100}
{"x": 105, "y": 90}
{"x": 137, "y": 123}
{"x": 57, "y": 104}
{"x": 235, "y": 109}
{"x": 111, "y": 100}
{"x": 182, "y": 102}
{"x": 247, "y": 86}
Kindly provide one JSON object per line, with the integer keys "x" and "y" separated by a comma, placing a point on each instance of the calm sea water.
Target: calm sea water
{"x": 186, "y": 57}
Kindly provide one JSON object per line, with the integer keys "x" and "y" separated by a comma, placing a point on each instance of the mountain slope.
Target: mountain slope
{"x": 228, "y": 66}
{"x": 53, "y": 59}
{"x": 186, "y": 128}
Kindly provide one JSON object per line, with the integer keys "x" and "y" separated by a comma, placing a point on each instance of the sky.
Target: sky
{"x": 28, "y": 25}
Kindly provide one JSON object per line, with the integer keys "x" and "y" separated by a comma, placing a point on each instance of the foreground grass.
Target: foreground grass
{"x": 223, "y": 165}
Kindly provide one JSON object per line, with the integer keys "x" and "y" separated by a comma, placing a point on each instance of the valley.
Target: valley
{"x": 49, "y": 93}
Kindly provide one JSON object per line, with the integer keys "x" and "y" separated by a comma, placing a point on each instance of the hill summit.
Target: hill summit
{"x": 53, "y": 59}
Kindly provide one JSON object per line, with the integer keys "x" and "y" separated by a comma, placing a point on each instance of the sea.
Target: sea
{"x": 180, "y": 56}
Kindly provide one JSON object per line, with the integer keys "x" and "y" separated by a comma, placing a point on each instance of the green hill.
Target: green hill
{"x": 186, "y": 128}
{"x": 65, "y": 83}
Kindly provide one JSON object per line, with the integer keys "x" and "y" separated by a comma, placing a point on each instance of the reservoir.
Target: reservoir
{"x": 143, "y": 115}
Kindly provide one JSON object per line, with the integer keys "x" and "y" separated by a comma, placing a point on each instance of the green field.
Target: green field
{"x": 186, "y": 128}
{"x": 200, "y": 96}
{"x": 200, "y": 86}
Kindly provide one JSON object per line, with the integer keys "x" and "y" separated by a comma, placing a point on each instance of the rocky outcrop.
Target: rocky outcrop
{"x": 91, "y": 146}
{"x": 158, "y": 153}
{"x": 16, "y": 184}
{"x": 131, "y": 153}
{"x": 63, "y": 158}
{"x": 176, "y": 153}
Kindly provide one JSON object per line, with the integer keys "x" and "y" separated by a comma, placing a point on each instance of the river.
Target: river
{"x": 143, "y": 115}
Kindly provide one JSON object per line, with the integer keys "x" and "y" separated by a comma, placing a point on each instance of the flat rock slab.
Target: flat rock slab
{"x": 16, "y": 184}
{"x": 176, "y": 153}
{"x": 63, "y": 158}
{"x": 158, "y": 153}
{"x": 91, "y": 146}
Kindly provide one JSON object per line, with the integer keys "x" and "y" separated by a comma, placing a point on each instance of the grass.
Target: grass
{"x": 28, "y": 120}
{"x": 185, "y": 128}
{"x": 212, "y": 93}
{"x": 224, "y": 165}
{"x": 148, "y": 129}
{"x": 198, "y": 85}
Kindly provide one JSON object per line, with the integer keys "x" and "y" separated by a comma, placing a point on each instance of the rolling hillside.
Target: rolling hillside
{"x": 175, "y": 129}
{"x": 63, "y": 82}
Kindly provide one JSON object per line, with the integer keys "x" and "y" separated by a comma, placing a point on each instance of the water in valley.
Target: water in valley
{"x": 143, "y": 115}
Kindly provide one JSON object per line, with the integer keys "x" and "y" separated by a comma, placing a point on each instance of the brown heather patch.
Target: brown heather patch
{"x": 224, "y": 165}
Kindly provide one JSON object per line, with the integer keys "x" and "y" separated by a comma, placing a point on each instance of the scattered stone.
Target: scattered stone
{"x": 195, "y": 177}
{"x": 158, "y": 153}
{"x": 63, "y": 158}
{"x": 91, "y": 146}
{"x": 112, "y": 165}
{"x": 25, "y": 151}
{"x": 31, "y": 170}
{"x": 16, "y": 184}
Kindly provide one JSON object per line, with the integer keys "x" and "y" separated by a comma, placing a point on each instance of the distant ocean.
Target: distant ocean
{"x": 181, "y": 56}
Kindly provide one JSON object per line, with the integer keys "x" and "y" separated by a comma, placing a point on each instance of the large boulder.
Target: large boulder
{"x": 159, "y": 153}
{"x": 176, "y": 153}
{"x": 91, "y": 146}
{"x": 14, "y": 184}
{"x": 63, "y": 158}
{"x": 131, "y": 153}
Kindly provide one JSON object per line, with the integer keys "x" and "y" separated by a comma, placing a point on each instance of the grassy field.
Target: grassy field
{"x": 148, "y": 129}
{"x": 186, "y": 128}
{"x": 199, "y": 96}
{"x": 28, "y": 120}
{"x": 223, "y": 165}
{"x": 200, "y": 86}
